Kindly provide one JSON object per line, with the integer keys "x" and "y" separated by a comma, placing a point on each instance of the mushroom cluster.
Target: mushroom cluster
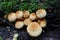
{"x": 34, "y": 21}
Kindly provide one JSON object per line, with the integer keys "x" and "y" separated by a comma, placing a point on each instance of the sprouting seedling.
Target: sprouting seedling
{"x": 15, "y": 36}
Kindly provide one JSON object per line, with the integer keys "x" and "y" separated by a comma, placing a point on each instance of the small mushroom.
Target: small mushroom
{"x": 33, "y": 16}
{"x": 41, "y": 13}
{"x": 19, "y": 14}
{"x": 43, "y": 23}
{"x": 11, "y": 17}
{"x": 19, "y": 24}
{"x": 27, "y": 21}
{"x": 26, "y": 14}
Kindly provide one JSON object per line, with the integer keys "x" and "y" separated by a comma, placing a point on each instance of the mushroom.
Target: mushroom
{"x": 41, "y": 13}
{"x": 43, "y": 23}
{"x": 34, "y": 29}
{"x": 19, "y": 24}
{"x": 27, "y": 21}
{"x": 11, "y": 17}
{"x": 19, "y": 14}
{"x": 26, "y": 14}
{"x": 33, "y": 16}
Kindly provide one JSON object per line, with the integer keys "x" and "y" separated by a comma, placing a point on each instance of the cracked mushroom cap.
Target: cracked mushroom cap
{"x": 34, "y": 29}
{"x": 41, "y": 13}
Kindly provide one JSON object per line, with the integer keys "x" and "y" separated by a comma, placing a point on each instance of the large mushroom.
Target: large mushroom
{"x": 34, "y": 29}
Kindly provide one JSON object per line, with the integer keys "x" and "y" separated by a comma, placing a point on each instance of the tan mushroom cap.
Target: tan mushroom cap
{"x": 26, "y": 14}
{"x": 34, "y": 29}
{"x": 19, "y": 14}
{"x": 41, "y": 13}
{"x": 33, "y": 16}
{"x": 19, "y": 24}
{"x": 27, "y": 21}
{"x": 43, "y": 23}
{"x": 11, "y": 17}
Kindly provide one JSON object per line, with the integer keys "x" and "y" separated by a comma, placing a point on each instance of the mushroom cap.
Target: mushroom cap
{"x": 32, "y": 16}
{"x": 12, "y": 17}
{"x": 19, "y": 14}
{"x": 34, "y": 29}
{"x": 41, "y": 13}
{"x": 43, "y": 23}
{"x": 19, "y": 24}
{"x": 26, "y": 14}
{"x": 27, "y": 21}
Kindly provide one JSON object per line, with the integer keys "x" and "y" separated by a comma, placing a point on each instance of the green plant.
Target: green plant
{"x": 30, "y": 5}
